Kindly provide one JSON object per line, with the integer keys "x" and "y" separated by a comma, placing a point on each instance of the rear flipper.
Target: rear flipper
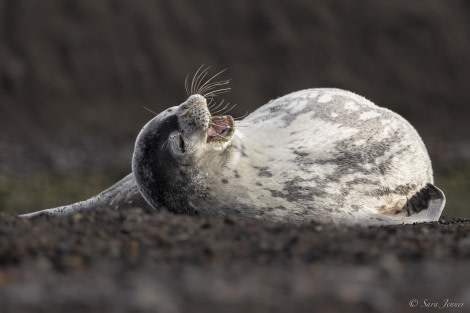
{"x": 424, "y": 206}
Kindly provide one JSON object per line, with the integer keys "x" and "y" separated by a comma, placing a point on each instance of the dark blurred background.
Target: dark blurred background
{"x": 75, "y": 76}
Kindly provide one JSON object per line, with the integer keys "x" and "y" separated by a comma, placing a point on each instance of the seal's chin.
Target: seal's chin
{"x": 221, "y": 129}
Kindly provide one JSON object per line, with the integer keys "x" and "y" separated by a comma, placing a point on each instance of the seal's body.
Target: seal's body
{"x": 320, "y": 154}
{"x": 324, "y": 155}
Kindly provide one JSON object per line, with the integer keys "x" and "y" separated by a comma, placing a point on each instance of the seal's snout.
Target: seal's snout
{"x": 194, "y": 103}
{"x": 196, "y": 99}
{"x": 195, "y": 115}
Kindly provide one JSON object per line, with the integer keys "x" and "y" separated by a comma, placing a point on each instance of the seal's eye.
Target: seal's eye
{"x": 182, "y": 148}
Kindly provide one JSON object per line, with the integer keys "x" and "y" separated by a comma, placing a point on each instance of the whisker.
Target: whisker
{"x": 218, "y": 108}
{"x": 231, "y": 108}
{"x": 210, "y": 102}
{"x": 192, "y": 81}
{"x": 197, "y": 76}
{"x": 209, "y": 84}
{"x": 251, "y": 134}
{"x": 199, "y": 81}
{"x": 215, "y": 106}
{"x": 224, "y": 109}
{"x": 205, "y": 85}
{"x": 186, "y": 86}
{"x": 241, "y": 117}
{"x": 150, "y": 110}
{"x": 216, "y": 92}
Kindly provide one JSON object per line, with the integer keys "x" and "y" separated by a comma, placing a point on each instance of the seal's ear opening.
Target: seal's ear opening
{"x": 425, "y": 205}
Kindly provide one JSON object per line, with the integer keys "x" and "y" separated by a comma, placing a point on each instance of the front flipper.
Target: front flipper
{"x": 123, "y": 194}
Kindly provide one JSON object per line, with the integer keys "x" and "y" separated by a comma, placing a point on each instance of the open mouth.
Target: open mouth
{"x": 221, "y": 128}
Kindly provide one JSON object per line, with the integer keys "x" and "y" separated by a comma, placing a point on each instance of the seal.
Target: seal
{"x": 325, "y": 155}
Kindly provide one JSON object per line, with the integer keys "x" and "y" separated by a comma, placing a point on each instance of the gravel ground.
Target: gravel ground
{"x": 111, "y": 261}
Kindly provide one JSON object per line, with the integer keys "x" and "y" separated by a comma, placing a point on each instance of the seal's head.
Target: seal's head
{"x": 177, "y": 150}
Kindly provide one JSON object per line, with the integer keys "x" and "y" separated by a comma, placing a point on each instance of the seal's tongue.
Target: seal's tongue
{"x": 218, "y": 126}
